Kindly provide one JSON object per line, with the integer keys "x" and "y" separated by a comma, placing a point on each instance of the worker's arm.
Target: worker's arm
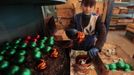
{"x": 75, "y": 27}
{"x": 101, "y": 38}
{"x": 101, "y": 34}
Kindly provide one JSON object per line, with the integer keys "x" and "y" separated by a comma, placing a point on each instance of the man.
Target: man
{"x": 87, "y": 30}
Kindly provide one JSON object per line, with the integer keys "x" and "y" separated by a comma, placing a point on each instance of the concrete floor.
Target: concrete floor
{"x": 118, "y": 38}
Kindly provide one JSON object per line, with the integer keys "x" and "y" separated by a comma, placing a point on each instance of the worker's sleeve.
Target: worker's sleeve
{"x": 101, "y": 34}
{"x": 73, "y": 23}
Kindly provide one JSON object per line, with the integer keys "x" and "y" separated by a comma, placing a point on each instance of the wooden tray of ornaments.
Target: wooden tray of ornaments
{"x": 80, "y": 69}
{"x": 117, "y": 55}
{"x": 32, "y": 66}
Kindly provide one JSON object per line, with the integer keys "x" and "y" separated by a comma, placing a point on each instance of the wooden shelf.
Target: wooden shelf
{"x": 129, "y": 15}
{"x": 117, "y": 24}
{"x": 117, "y": 27}
{"x": 124, "y": 4}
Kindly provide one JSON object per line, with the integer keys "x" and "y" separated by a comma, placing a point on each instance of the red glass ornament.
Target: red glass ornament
{"x": 38, "y": 36}
{"x": 26, "y": 41}
{"x": 35, "y": 40}
{"x": 28, "y": 37}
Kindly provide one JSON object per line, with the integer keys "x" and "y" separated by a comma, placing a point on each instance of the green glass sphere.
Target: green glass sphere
{"x": 33, "y": 44}
{"x": 51, "y": 42}
{"x": 4, "y": 64}
{"x": 112, "y": 66}
{"x": 18, "y": 41}
{"x": 48, "y": 49}
{"x": 24, "y": 45}
{"x": 52, "y": 38}
{"x": 36, "y": 49}
{"x": 8, "y": 47}
{"x": 3, "y": 52}
{"x": 44, "y": 38}
{"x": 7, "y": 43}
{"x": 25, "y": 71}
{"x": 121, "y": 64}
{"x": 128, "y": 70}
{"x": 1, "y": 57}
{"x": 12, "y": 52}
{"x": 13, "y": 70}
{"x": 37, "y": 54}
{"x": 113, "y": 70}
{"x": 15, "y": 47}
{"x": 22, "y": 52}
{"x": 20, "y": 59}
{"x": 127, "y": 66}
{"x": 42, "y": 46}
{"x": 42, "y": 41}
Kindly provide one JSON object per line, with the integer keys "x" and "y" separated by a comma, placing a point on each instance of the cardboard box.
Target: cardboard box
{"x": 65, "y": 13}
{"x": 120, "y": 53}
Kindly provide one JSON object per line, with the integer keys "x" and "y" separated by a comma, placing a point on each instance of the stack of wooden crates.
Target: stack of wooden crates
{"x": 64, "y": 13}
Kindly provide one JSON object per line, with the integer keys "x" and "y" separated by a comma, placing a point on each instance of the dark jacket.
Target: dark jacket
{"x": 81, "y": 20}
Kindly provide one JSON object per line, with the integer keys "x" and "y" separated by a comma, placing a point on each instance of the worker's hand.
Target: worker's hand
{"x": 93, "y": 52}
{"x": 80, "y": 36}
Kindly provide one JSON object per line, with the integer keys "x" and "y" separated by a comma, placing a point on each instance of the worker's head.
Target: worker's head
{"x": 88, "y": 6}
